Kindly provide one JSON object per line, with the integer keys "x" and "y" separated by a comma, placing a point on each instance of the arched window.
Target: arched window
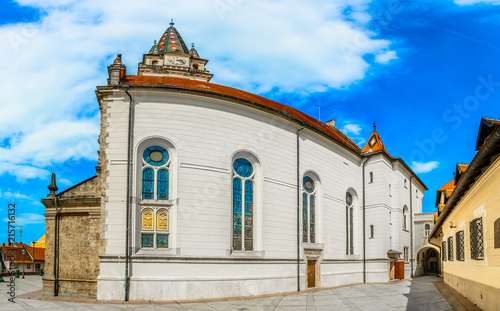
{"x": 243, "y": 199}
{"x": 427, "y": 228}
{"x": 308, "y": 210}
{"x": 405, "y": 217}
{"x": 349, "y": 211}
{"x": 154, "y": 228}
{"x": 155, "y": 173}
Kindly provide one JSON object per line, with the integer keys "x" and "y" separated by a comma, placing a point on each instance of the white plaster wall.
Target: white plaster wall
{"x": 206, "y": 133}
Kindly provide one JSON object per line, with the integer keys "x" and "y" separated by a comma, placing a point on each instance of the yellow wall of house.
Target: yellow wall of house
{"x": 473, "y": 278}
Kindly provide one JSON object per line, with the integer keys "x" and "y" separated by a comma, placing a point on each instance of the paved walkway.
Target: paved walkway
{"x": 411, "y": 295}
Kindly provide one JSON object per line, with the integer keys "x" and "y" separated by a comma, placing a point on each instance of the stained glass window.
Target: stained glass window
{"x": 155, "y": 186}
{"x": 162, "y": 185}
{"x": 308, "y": 206}
{"x": 148, "y": 178}
{"x": 243, "y": 214}
{"x": 155, "y": 173}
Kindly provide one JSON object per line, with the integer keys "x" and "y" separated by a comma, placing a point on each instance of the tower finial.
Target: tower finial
{"x": 171, "y": 22}
{"x": 155, "y": 42}
{"x": 192, "y": 45}
{"x": 52, "y": 187}
{"x": 374, "y": 126}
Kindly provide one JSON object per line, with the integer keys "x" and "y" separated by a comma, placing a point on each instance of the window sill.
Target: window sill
{"x": 156, "y": 252}
{"x": 156, "y": 203}
{"x": 247, "y": 254}
{"x": 406, "y": 230}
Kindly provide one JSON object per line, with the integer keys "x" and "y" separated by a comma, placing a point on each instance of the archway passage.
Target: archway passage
{"x": 428, "y": 261}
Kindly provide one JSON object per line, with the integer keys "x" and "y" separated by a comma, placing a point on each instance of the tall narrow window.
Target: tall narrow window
{"x": 349, "y": 211}
{"x": 155, "y": 173}
{"x": 427, "y": 230}
{"x": 154, "y": 228}
{"x": 405, "y": 253}
{"x": 476, "y": 239}
{"x": 443, "y": 250}
{"x": 459, "y": 237}
{"x": 243, "y": 199}
{"x": 308, "y": 210}
{"x": 405, "y": 217}
{"x": 371, "y": 177}
{"x": 390, "y": 190}
{"x": 372, "y": 232}
{"x": 450, "y": 248}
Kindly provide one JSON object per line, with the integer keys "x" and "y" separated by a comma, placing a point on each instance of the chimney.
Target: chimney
{"x": 331, "y": 123}
{"x": 117, "y": 71}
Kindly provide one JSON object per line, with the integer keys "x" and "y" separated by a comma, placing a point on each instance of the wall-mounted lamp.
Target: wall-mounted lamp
{"x": 451, "y": 225}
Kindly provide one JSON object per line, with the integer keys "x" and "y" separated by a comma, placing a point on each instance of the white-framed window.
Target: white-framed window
{"x": 390, "y": 190}
{"x": 390, "y": 218}
{"x": 243, "y": 175}
{"x": 427, "y": 229}
{"x": 405, "y": 217}
{"x": 405, "y": 252}
{"x": 309, "y": 209}
{"x": 406, "y": 184}
{"x": 371, "y": 177}
{"x": 154, "y": 227}
{"x": 155, "y": 174}
{"x": 372, "y": 231}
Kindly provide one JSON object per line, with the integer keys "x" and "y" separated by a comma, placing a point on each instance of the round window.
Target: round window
{"x": 156, "y": 156}
{"x": 243, "y": 167}
{"x": 348, "y": 198}
{"x": 308, "y": 184}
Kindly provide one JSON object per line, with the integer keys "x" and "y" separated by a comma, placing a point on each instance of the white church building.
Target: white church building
{"x": 208, "y": 191}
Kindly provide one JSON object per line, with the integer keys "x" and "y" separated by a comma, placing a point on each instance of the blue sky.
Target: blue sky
{"x": 425, "y": 71}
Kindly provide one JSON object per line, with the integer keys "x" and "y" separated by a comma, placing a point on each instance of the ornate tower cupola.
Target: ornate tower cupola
{"x": 375, "y": 143}
{"x": 170, "y": 57}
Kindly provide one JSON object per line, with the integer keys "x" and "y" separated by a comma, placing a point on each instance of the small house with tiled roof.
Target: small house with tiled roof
{"x": 19, "y": 256}
{"x": 206, "y": 191}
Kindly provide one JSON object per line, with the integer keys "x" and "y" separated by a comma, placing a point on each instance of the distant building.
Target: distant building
{"x": 206, "y": 191}
{"x": 12, "y": 255}
{"x": 468, "y": 227}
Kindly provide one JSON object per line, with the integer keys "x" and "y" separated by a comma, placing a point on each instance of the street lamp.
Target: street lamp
{"x": 21, "y": 234}
{"x": 23, "y": 251}
{"x": 34, "y": 250}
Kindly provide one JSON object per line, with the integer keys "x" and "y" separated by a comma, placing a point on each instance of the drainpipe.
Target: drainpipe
{"x": 127, "y": 228}
{"x": 56, "y": 251}
{"x": 364, "y": 223}
{"x": 298, "y": 206}
{"x": 411, "y": 228}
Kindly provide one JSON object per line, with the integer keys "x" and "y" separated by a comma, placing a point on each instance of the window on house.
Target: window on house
{"x": 405, "y": 217}
{"x": 349, "y": 210}
{"x": 405, "y": 253}
{"x": 372, "y": 232}
{"x": 443, "y": 251}
{"x": 28, "y": 266}
{"x": 371, "y": 177}
{"x": 459, "y": 237}
{"x": 390, "y": 190}
{"x": 155, "y": 173}
{"x": 154, "y": 227}
{"x": 427, "y": 229}
{"x": 406, "y": 186}
{"x": 390, "y": 218}
{"x": 476, "y": 239}
{"x": 308, "y": 209}
{"x": 450, "y": 248}
{"x": 243, "y": 199}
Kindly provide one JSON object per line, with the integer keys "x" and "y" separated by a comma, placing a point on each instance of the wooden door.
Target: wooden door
{"x": 311, "y": 273}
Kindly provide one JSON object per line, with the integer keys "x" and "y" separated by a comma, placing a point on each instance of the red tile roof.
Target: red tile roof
{"x": 225, "y": 91}
{"x": 375, "y": 144}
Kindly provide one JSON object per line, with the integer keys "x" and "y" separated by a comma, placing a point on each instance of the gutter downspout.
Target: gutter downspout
{"x": 298, "y": 206}
{"x": 127, "y": 229}
{"x": 56, "y": 251}
{"x": 411, "y": 228}
{"x": 364, "y": 223}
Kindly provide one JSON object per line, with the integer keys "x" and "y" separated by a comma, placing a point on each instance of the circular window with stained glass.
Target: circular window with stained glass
{"x": 243, "y": 167}
{"x": 308, "y": 184}
{"x": 156, "y": 156}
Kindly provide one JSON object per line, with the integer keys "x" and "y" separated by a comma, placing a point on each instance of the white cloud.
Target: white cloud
{"x": 424, "y": 167}
{"x": 472, "y": 2}
{"x": 386, "y": 57}
{"x": 16, "y": 195}
{"x": 28, "y": 218}
{"x": 49, "y": 112}
{"x": 351, "y": 128}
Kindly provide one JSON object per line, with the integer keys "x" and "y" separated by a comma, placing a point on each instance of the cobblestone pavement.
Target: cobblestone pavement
{"x": 411, "y": 295}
